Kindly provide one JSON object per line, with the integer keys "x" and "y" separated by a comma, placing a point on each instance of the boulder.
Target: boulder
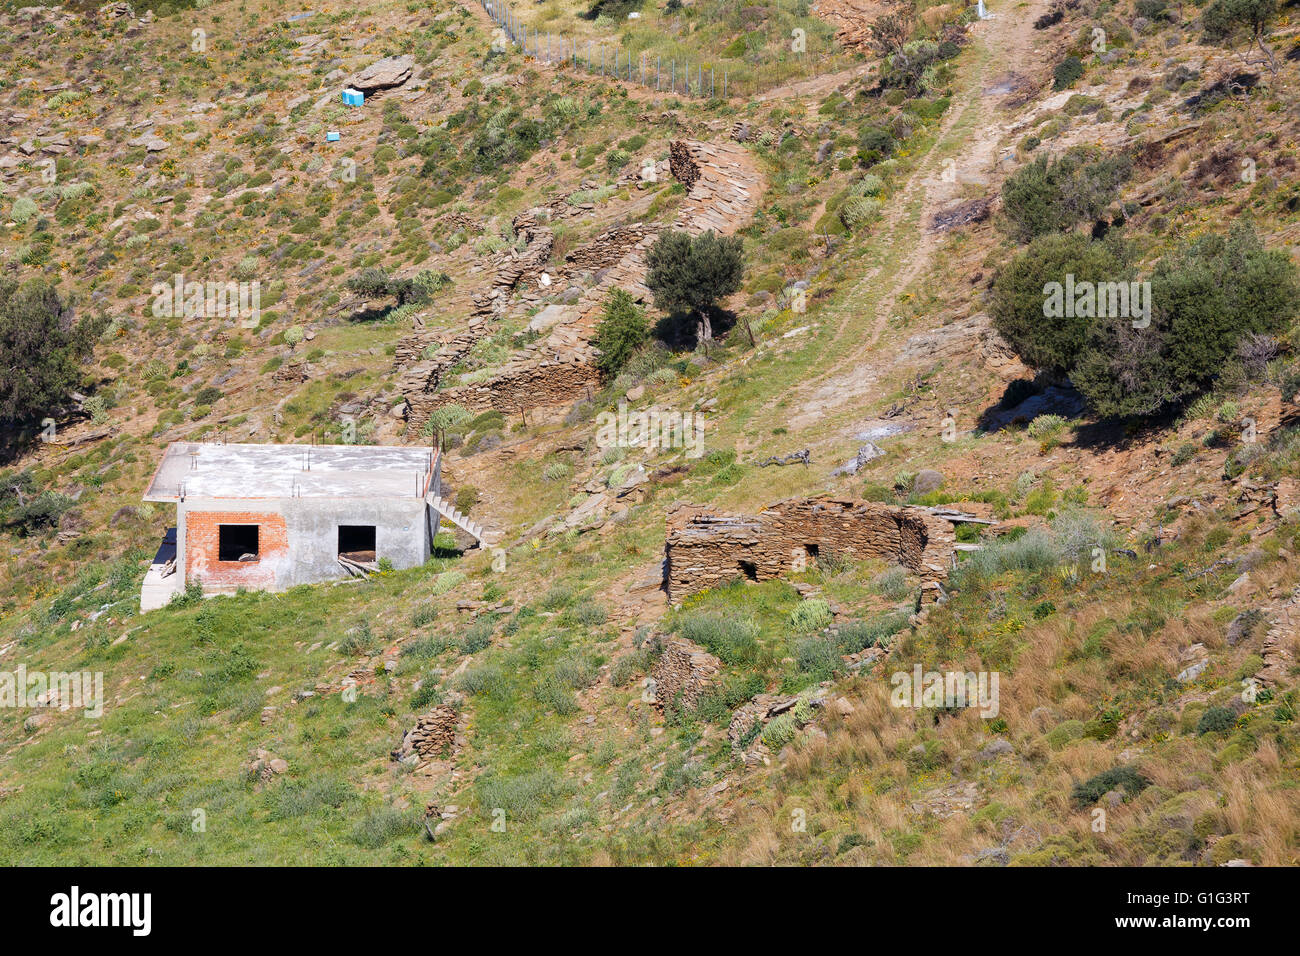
{"x": 927, "y": 480}
{"x": 384, "y": 74}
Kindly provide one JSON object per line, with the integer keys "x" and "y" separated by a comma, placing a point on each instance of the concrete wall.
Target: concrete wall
{"x": 298, "y": 538}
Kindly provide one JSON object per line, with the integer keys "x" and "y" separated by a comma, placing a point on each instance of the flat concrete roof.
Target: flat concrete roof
{"x": 210, "y": 470}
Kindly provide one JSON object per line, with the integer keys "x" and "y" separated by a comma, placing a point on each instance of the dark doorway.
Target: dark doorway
{"x": 237, "y": 542}
{"x": 357, "y": 541}
{"x": 749, "y": 569}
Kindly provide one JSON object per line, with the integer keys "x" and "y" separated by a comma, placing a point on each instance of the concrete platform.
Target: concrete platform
{"x": 209, "y": 470}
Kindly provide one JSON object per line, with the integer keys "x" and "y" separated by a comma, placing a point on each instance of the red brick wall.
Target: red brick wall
{"x": 201, "y": 549}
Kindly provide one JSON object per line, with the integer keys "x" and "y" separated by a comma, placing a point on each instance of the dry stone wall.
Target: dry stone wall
{"x": 723, "y": 185}
{"x": 707, "y": 548}
{"x": 682, "y": 675}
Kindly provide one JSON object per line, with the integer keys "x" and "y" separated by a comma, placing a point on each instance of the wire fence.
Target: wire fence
{"x": 649, "y": 70}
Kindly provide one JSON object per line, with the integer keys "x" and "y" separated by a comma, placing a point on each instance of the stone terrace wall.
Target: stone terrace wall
{"x": 683, "y": 673}
{"x": 706, "y": 548}
{"x": 519, "y": 387}
{"x": 723, "y": 184}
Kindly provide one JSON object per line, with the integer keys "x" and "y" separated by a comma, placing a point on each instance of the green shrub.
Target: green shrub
{"x": 891, "y": 583}
{"x": 734, "y": 640}
{"x": 859, "y": 211}
{"x": 589, "y": 614}
{"x": 857, "y": 636}
{"x": 622, "y": 330}
{"x": 1124, "y": 778}
{"x": 522, "y": 797}
{"x": 818, "y": 656}
{"x": 1067, "y": 72}
{"x": 22, "y": 210}
{"x": 481, "y": 681}
{"x": 1208, "y": 295}
{"x": 811, "y": 615}
{"x": 1044, "y": 427}
{"x": 1031, "y": 552}
{"x": 1054, "y": 195}
{"x": 779, "y": 731}
{"x": 383, "y": 826}
{"x": 1214, "y": 720}
{"x": 426, "y": 696}
{"x": 1018, "y": 296}
{"x": 477, "y": 636}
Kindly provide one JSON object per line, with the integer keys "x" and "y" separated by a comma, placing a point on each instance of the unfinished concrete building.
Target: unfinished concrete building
{"x": 268, "y": 517}
{"x": 707, "y": 548}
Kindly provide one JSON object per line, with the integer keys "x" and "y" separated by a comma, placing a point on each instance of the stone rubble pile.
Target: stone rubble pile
{"x": 434, "y": 736}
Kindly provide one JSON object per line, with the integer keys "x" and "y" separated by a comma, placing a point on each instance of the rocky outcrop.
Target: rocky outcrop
{"x": 706, "y": 548}
{"x": 383, "y": 74}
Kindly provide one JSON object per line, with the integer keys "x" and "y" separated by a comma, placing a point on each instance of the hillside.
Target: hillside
{"x": 1118, "y": 513}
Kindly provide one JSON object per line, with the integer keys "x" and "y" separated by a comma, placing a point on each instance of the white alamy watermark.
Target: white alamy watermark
{"x": 1098, "y": 300}
{"x": 946, "y": 689}
{"x": 654, "y": 429}
{"x": 76, "y": 909}
{"x": 208, "y": 300}
{"x": 64, "y": 690}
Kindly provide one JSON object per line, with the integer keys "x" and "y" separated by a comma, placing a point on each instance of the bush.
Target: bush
{"x": 859, "y": 635}
{"x": 42, "y": 349}
{"x": 521, "y": 797}
{"x": 1228, "y": 20}
{"x": 811, "y": 615}
{"x": 1067, "y": 72}
{"x": 1030, "y": 552}
{"x": 1019, "y": 292}
{"x": 1117, "y": 778}
{"x": 891, "y": 583}
{"x": 42, "y": 511}
{"x": 858, "y": 212}
{"x": 1215, "y": 720}
{"x": 733, "y": 640}
{"x": 622, "y": 330}
{"x": 1207, "y": 296}
{"x": 477, "y": 637}
{"x": 868, "y": 185}
{"x": 426, "y": 696}
{"x": 23, "y": 209}
{"x": 382, "y": 827}
{"x": 589, "y": 614}
{"x": 485, "y": 680}
{"x": 779, "y": 732}
{"x": 1047, "y": 196}
{"x": 818, "y": 657}
{"x": 1045, "y": 427}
